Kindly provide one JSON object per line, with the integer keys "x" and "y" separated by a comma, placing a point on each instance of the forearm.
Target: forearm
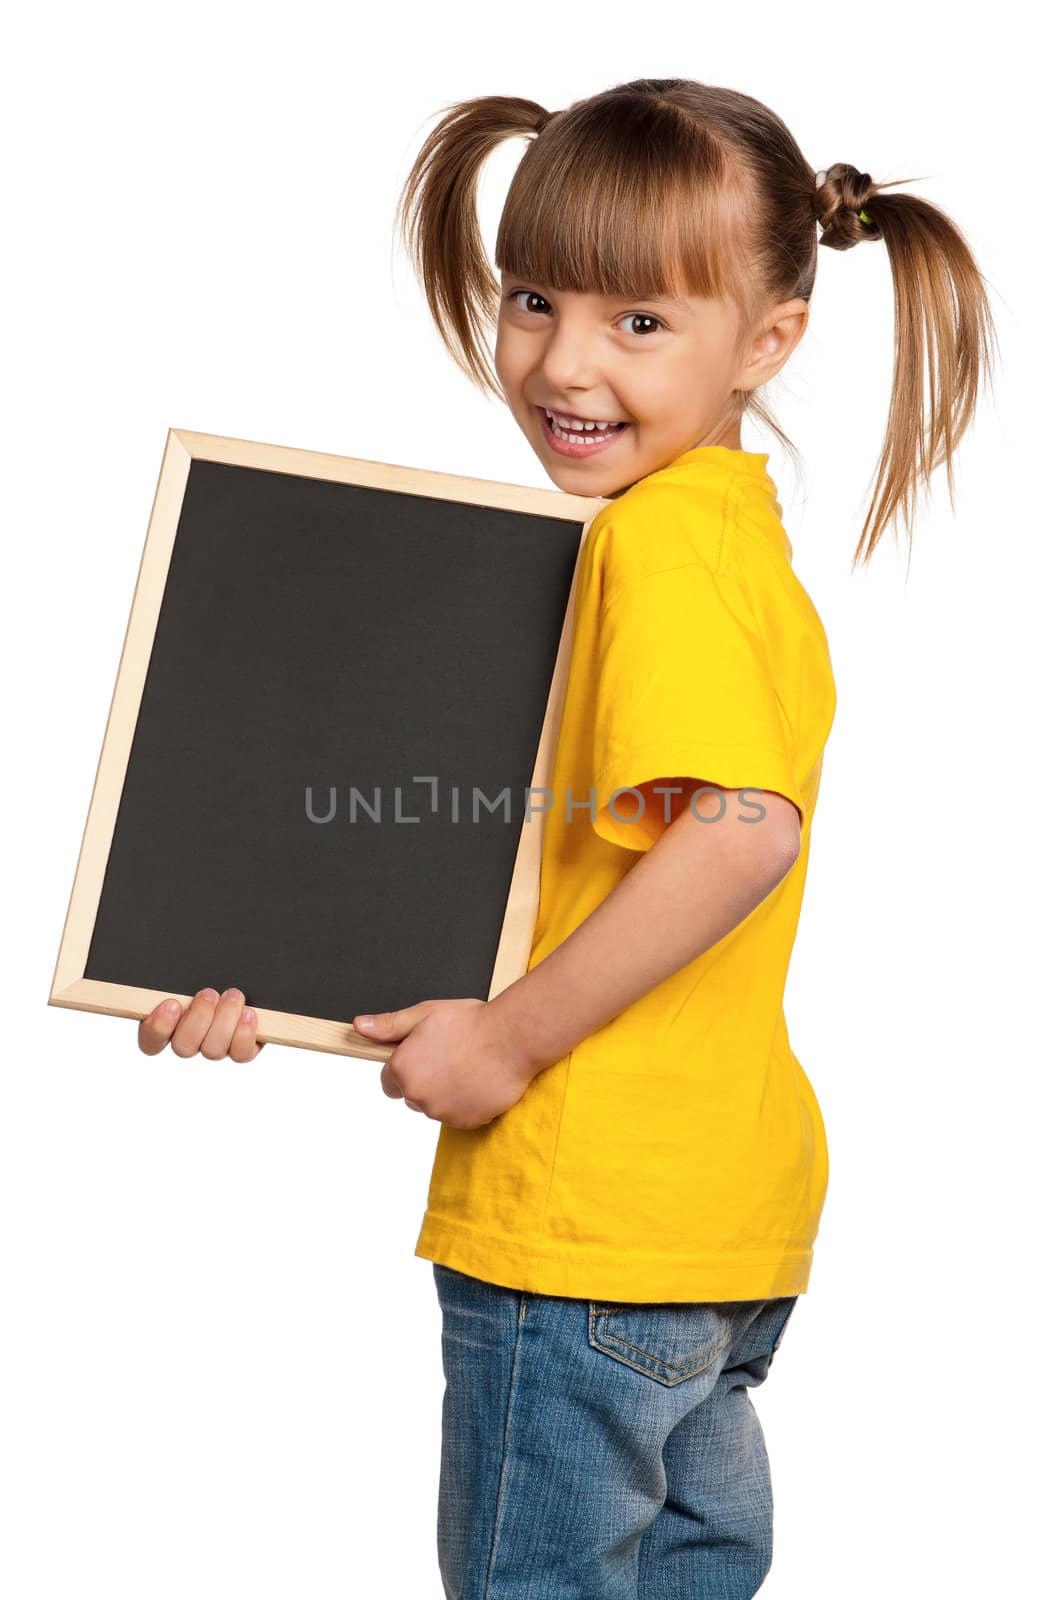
{"x": 680, "y": 898}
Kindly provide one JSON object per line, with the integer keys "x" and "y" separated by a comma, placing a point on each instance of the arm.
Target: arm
{"x": 688, "y": 891}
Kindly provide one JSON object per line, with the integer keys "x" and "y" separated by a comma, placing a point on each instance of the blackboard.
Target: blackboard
{"x": 324, "y": 773}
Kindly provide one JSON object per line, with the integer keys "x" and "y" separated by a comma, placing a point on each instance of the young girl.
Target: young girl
{"x": 632, "y": 1164}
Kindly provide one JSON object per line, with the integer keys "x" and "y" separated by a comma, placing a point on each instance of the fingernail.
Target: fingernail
{"x": 171, "y": 1008}
{"x": 208, "y": 994}
{"x": 248, "y": 1016}
{"x": 365, "y": 1022}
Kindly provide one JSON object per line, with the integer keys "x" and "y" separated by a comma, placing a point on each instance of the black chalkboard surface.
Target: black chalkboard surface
{"x": 328, "y": 755}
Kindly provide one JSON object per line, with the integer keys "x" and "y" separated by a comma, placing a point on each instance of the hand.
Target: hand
{"x": 455, "y": 1063}
{"x": 212, "y": 1026}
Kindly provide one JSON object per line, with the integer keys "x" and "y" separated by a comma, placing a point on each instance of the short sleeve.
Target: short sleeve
{"x": 685, "y": 689}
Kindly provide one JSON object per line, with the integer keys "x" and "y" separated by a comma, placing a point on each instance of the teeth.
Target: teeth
{"x": 575, "y": 430}
{"x": 577, "y": 424}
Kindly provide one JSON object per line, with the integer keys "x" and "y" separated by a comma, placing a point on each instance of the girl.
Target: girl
{"x": 632, "y": 1164}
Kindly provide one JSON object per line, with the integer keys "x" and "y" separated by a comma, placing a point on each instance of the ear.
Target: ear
{"x": 779, "y": 335}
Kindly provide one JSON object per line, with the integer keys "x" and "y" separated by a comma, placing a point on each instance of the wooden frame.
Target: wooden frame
{"x": 70, "y": 988}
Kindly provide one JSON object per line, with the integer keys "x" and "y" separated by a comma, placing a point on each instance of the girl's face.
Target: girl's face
{"x": 664, "y": 370}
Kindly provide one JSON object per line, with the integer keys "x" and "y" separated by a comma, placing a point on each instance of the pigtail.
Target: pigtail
{"x": 440, "y": 230}
{"x": 942, "y": 325}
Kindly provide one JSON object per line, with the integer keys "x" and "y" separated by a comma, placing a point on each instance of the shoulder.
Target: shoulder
{"x": 660, "y": 525}
{"x": 727, "y": 528}
{"x": 676, "y": 554}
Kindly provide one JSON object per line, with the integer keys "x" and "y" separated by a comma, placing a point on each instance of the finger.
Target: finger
{"x": 219, "y": 1036}
{"x": 392, "y": 1024}
{"x": 244, "y": 1046}
{"x": 155, "y": 1030}
{"x": 191, "y": 1030}
{"x": 389, "y": 1083}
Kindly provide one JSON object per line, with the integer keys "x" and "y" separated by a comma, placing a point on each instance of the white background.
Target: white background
{"x": 220, "y": 1367}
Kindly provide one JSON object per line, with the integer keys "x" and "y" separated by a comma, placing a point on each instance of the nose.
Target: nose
{"x": 570, "y": 360}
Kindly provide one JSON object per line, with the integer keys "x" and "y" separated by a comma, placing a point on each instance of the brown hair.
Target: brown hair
{"x": 669, "y": 186}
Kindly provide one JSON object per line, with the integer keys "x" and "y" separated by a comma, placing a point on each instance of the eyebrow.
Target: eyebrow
{"x": 658, "y": 299}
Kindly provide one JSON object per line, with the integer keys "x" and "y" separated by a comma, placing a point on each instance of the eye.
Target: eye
{"x": 640, "y": 316}
{"x": 515, "y": 292}
{"x": 643, "y": 316}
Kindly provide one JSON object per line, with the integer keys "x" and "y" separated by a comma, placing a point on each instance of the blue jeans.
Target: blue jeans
{"x": 599, "y": 1451}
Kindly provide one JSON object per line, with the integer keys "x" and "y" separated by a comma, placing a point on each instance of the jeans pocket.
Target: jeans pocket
{"x": 787, "y": 1308}
{"x": 670, "y": 1342}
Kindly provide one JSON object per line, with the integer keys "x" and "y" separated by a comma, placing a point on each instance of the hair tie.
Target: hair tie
{"x": 821, "y": 178}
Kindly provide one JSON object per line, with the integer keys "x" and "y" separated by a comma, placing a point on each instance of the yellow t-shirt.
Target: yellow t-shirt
{"x": 678, "y": 1152}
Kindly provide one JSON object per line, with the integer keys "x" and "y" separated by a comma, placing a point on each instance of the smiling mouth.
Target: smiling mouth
{"x": 587, "y": 442}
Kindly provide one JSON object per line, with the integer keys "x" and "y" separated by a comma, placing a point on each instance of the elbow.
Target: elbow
{"x": 783, "y": 844}
{"x": 787, "y": 856}
{"x": 785, "y": 849}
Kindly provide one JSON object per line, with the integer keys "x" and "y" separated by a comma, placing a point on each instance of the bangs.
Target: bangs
{"x": 626, "y": 197}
